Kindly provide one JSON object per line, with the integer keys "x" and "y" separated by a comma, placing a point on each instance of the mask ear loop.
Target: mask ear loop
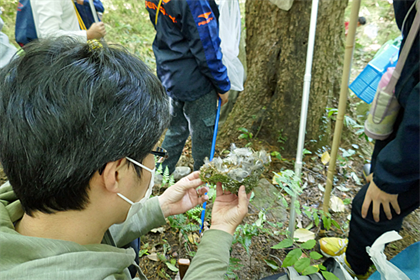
{"x": 126, "y": 199}
{"x": 139, "y": 164}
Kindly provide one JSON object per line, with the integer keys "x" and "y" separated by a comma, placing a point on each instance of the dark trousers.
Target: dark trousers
{"x": 196, "y": 118}
{"x": 363, "y": 232}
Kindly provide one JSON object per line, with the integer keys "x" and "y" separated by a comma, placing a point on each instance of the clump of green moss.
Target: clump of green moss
{"x": 242, "y": 166}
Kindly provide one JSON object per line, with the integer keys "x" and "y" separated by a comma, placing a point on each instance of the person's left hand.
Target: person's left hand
{"x": 183, "y": 196}
{"x": 377, "y": 197}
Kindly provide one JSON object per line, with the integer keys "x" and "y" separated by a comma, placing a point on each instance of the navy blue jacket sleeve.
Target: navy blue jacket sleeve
{"x": 97, "y": 3}
{"x": 201, "y": 29}
{"x": 397, "y": 165}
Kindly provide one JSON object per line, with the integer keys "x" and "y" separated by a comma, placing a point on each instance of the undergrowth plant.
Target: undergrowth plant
{"x": 246, "y": 134}
{"x": 302, "y": 258}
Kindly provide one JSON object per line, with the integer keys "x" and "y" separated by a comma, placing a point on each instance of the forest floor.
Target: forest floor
{"x": 128, "y": 24}
{"x": 170, "y": 242}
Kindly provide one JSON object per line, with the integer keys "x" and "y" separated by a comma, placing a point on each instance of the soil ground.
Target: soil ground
{"x": 253, "y": 264}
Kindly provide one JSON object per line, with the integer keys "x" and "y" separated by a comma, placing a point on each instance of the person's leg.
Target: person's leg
{"x": 363, "y": 232}
{"x": 175, "y": 136}
{"x": 201, "y": 115}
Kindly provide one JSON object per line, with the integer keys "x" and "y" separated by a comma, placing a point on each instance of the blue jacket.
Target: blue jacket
{"x": 187, "y": 48}
{"x": 396, "y": 160}
{"x": 86, "y": 13}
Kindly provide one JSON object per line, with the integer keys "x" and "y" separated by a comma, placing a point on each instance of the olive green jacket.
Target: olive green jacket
{"x": 25, "y": 257}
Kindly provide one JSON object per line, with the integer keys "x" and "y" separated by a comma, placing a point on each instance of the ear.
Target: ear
{"x": 112, "y": 174}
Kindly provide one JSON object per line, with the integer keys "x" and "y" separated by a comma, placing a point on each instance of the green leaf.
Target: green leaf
{"x": 243, "y": 136}
{"x": 292, "y": 257}
{"x": 171, "y": 267}
{"x": 308, "y": 244}
{"x": 162, "y": 257}
{"x": 302, "y": 264}
{"x": 327, "y": 222}
{"x": 329, "y": 276}
{"x": 272, "y": 264}
{"x": 347, "y": 201}
{"x": 283, "y": 244}
{"x": 321, "y": 267}
{"x": 243, "y": 129}
{"x": 334, "y": 222}
{"x": 316, "y": 220}
{"x": 310, "y": 270}
{"x": 315, "y": 255}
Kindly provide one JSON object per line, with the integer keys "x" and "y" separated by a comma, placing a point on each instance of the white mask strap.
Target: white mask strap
{"x": 126, "y": 199}
{"x": 139, "y": 164}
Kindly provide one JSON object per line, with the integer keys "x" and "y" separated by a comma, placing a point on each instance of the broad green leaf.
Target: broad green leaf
{"x": 316, "y": 220}
{"x": 327, "y": 222}
{"x": 171, "y": 267}
{"x": 310, "y": 270}
{"x": 347, "y": 201}
{"x": 292, "y": 257}
{"x": 284, "y": 202}
{"x": 334, "y": 222}
{"x": 272, "y": 264}
{"x": 283, "y": 244}
{"x": 315, "y": 255}
{"x": 329, "y": 276}
{"x": 243, "y": 136}
{"x": 302, "y": 264}
{"x": 322, "y": 267}
{"x": 308, "y": 244}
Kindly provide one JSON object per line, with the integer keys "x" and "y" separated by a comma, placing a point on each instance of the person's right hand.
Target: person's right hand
{"x": 224, "y": 97}
{"x": 96, "y": 31}
{"x": 229, "y": 209}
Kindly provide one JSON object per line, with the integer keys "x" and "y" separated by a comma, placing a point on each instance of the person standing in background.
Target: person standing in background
{"x": 189, "y": 65}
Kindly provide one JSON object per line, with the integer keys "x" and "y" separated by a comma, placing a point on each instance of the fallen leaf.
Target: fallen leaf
{"x": 193, "y": 238}
{"x": 325, "y": 158}
{"x": 336, "y": 204}
{"x": 356, "y": 179}
{"x": 153, "y": 257}
{"x": 321, "y": 188}
{"x": 343, "y": 188}
{"x": 303, "y": 235}
{"x": 311, "y": 179}
{"x": 274, "y": 182}
{"x": 159, "y": 229}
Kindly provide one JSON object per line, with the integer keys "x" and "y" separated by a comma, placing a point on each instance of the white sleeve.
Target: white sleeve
{"x": 54, "y": 18}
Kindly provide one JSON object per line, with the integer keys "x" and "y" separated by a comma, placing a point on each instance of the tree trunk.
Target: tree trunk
{"x": 276, "y": 45}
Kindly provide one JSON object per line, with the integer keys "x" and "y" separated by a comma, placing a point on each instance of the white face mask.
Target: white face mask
{"x": 136, "y": 206}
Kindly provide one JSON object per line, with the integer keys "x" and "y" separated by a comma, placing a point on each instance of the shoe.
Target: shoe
{"x": 333, "y": 246}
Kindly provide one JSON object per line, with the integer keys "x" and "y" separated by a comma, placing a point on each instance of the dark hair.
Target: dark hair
{"x": 68, "y": 108}
{"x": 362, "y": 20}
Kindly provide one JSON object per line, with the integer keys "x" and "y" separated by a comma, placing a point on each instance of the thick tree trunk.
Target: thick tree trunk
{"x": 276, "y": 46}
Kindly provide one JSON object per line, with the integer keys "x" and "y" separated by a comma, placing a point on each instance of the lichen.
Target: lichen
{"x": 242, "y": 166}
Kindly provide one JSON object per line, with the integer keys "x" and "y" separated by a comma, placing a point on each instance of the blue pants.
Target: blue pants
{"x": 195, "y": 118}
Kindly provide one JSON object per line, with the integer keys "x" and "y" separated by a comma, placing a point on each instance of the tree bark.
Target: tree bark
{"x": 276, "y": 45}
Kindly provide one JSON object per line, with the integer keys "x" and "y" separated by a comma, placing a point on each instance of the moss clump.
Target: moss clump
{"x": 242, "y": 166}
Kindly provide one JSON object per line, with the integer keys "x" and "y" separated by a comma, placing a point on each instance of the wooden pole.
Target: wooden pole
{"x": 348, "y": 55}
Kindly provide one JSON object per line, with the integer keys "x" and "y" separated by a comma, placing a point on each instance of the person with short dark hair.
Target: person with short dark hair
{"x": 79, "y": 124}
